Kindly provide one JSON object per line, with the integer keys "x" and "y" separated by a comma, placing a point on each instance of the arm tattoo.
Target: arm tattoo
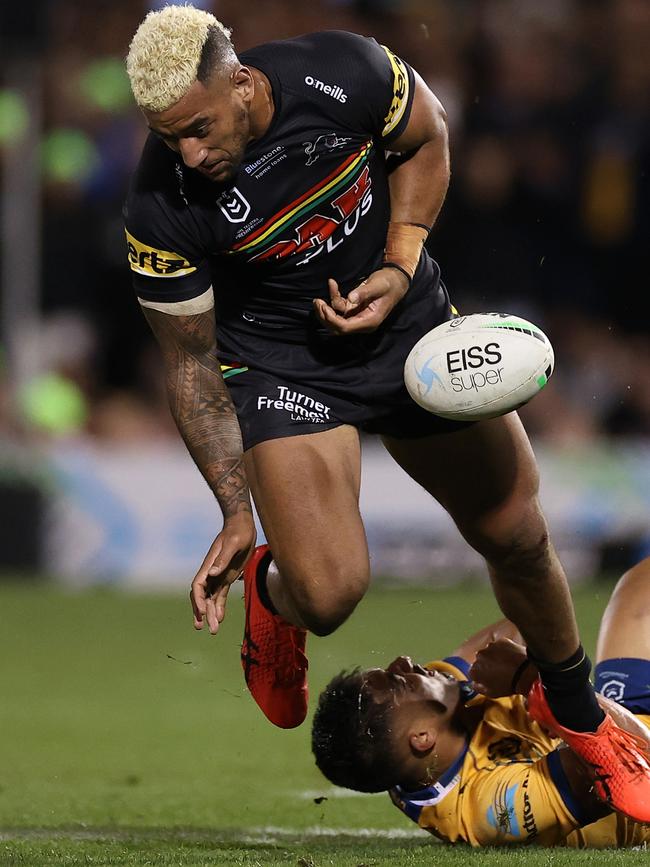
{"x": 201, "y": 405}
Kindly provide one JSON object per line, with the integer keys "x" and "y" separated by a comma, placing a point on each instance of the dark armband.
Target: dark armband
{"x": 404, "y": 242}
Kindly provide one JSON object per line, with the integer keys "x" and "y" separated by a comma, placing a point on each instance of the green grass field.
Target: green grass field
{"x": 128, "y": 739}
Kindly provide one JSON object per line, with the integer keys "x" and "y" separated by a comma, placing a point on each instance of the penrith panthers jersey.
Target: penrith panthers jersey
{"x": 310, "y": 200}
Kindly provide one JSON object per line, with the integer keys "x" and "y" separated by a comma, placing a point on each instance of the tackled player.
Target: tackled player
{"x": 476, "y": 769}
{"x": 275, "y": 230}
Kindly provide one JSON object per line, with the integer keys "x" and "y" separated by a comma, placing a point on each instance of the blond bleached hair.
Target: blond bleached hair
{"x": 166, "y": 52}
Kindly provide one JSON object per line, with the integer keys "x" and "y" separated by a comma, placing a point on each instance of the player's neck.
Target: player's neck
{"x": 262, "y": 106}
{"x": 451, "y": 743}
{"x": 466, "y": 719}
{"x": 428, "y": 769}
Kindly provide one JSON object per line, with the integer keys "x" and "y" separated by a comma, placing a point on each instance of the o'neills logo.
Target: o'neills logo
{"x": 333, "y": 90}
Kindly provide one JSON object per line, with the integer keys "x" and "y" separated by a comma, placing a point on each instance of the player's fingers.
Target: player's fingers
{"x": 328, "y": 316}
{"x": 335, "y": 293}
{"x": 211, "y": 615}
{"x": 196, "y": 611}
{"x": 476, "y": 671}
{"x": 339, "y": 303}
{"x": 366, "y": 320}
{"x": 197, "y": 597}
{"x": 366, "y": 292}
{"x": 220, "y": 599}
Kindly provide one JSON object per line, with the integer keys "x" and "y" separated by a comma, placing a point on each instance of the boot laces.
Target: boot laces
{"x": 630, "y": 751}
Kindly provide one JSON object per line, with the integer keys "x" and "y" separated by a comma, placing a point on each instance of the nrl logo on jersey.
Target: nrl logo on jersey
{"x": 324, "y": 143}
{"x": 234, "y": 206}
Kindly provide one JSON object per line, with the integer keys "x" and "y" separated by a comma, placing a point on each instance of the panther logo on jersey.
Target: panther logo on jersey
{"x": 323, "y": 143}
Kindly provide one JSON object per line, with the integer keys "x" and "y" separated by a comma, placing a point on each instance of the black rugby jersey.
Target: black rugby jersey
{"x": 310, "y": 200}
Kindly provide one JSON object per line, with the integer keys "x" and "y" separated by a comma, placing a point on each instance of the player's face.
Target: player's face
{"x": 404, "y": 682}
{"x": 210, "y": 126}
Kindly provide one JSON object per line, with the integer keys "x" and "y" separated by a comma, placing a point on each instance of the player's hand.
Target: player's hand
{"x": 496, "y": 667}
{"x": 366, "y": 307}
{"x": 223, "y": 564}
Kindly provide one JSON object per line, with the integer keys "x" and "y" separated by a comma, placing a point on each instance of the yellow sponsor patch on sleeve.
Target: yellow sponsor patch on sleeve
{"x": 151, "y": 262}
{"x": 400, "y": 92}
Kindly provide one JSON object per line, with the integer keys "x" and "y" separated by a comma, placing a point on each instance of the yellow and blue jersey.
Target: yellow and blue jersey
{"x": 508, "y": 787}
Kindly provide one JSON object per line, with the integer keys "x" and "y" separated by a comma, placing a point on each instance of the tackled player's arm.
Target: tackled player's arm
{"x": 207, "y": 421}
{"x": 487, "y": 635}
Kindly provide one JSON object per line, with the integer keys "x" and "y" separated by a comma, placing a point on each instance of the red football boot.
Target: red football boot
{"x": 273, "y": 654}
{"x": 620, "y": 765}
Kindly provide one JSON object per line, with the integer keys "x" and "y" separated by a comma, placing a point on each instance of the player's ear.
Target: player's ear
{"x": 242, "y": 79}
{"x": 422, "y": 739}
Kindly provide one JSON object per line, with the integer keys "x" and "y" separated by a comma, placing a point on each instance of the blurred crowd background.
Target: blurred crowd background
{"x": 548, "y": 213}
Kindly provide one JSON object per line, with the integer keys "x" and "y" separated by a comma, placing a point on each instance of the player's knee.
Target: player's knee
{"x": 326, "y": 603}
{"x": 515, "y": 542}
{"x": 525, "y": 556}
{"x": 632, "y": 589}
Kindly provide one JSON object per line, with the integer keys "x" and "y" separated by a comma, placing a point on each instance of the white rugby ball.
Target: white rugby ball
{"x": 478, "y": 366}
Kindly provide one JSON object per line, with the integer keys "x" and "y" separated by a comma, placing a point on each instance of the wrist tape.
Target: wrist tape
{"x": 404, "y": 242}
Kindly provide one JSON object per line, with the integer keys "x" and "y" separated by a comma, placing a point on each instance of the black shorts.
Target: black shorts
{"x": 283, "y": 389}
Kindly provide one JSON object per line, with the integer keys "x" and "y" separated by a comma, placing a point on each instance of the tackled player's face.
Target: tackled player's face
{"x": 210, "y": 126}
{"x": 403, "y": 683}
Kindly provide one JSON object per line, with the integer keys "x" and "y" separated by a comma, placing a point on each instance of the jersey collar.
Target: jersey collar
{"x": 414, "y": 801}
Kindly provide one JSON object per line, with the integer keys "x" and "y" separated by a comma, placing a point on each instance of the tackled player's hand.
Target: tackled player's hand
{"x": 502, "y": 668}
{"x": 223, "y": 564}
{"x": 366, "y": 306}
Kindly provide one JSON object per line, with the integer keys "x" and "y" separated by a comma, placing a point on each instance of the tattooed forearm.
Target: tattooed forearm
{"x": 201, "y": 405}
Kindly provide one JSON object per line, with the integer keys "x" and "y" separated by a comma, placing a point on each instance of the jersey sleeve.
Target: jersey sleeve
{"x": 401, "y": 90}
{"x": 381, "y": 86}
{"x": 170, "y": 270}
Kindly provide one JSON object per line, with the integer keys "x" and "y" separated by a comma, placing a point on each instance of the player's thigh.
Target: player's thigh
{"x": 625, "y": 627}
{"x": 483, "y": 475}
{"x": 306, "y": 490}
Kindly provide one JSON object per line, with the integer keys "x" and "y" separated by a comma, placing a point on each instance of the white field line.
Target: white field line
{"x": 321, "y": 831}
{"x": 266, "y": 833}
{"x": 335, "y": 792}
